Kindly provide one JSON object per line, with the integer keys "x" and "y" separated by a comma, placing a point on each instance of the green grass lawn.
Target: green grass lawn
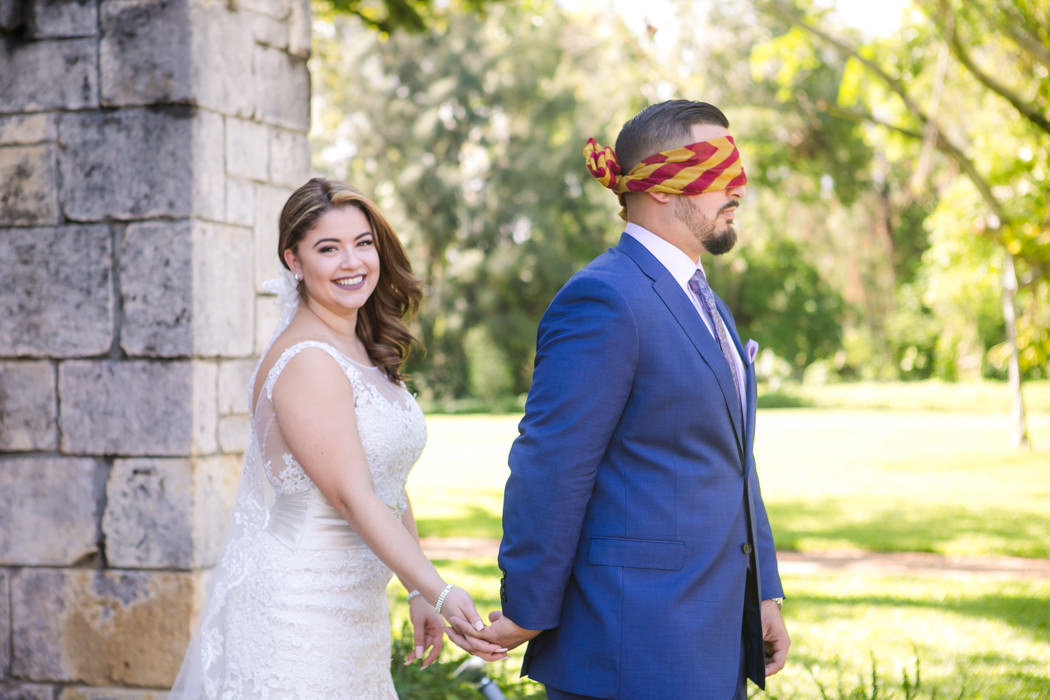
{"x": 844, "y": 479}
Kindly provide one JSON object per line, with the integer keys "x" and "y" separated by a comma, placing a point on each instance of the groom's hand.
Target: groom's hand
{"x": 775, "y": 637}
{"x": 503, "y": 632}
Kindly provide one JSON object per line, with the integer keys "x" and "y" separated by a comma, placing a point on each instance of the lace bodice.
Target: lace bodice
{"x": 389, "y": 422}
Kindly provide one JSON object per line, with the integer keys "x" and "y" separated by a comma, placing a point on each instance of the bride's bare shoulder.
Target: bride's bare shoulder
{"x": 287, "y": 340}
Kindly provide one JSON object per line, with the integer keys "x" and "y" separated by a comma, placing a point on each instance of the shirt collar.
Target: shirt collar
{"x": 680, "y": 265}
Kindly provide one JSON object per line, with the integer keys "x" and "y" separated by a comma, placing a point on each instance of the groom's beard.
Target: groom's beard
{"x": 714, "y": 240}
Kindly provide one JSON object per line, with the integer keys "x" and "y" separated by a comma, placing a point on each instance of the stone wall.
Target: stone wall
{"x": 146, "y": 147}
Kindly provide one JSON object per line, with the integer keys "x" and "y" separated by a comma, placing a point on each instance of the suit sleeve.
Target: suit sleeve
{"x": 769, "y": 586}
{"x": 586, "y": 352}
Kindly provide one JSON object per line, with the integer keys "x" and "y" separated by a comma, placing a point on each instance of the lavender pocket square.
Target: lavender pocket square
{"x": 751, "y": 351}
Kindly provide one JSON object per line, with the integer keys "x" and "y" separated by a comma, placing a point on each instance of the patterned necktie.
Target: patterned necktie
{"x": 698, "y": 283}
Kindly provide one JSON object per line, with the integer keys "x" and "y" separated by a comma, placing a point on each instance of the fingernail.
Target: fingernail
{"x": 419, "y": 652}
{"x": 479, "y": 625}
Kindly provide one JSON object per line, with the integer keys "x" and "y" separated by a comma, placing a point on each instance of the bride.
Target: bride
{"x": 297, "y": 607}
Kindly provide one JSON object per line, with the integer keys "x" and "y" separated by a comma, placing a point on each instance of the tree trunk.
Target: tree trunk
{"x": 1021, "y": 439}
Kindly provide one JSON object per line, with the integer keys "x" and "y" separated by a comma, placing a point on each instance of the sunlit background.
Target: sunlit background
{"x": 893, "y": 263}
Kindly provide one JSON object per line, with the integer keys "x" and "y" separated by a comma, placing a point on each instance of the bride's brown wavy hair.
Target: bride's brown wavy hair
{"x": 381, "y": 321}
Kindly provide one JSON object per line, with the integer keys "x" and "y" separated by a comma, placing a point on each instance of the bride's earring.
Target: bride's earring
{"x": 298, "y": 277}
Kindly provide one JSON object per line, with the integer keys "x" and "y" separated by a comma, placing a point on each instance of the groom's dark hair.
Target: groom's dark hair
{"x": 662, "y": 126}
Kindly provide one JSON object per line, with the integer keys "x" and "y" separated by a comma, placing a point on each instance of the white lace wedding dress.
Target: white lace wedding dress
{"x": 297, "y": 608}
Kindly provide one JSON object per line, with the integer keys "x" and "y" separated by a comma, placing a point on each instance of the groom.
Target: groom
{"x": 637, "y": 555}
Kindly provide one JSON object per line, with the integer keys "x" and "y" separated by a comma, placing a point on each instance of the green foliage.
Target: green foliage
{"x": 451, "y": 677}
{"x": 777, "y": 295}
{"x": 960, "y": 94}
{"x": 470, "y": 137}
{"x": 388, "y": 16}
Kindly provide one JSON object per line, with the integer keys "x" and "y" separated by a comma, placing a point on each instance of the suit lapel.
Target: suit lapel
{"x": 750, "y": 381}
{"x": 685, "y": 314}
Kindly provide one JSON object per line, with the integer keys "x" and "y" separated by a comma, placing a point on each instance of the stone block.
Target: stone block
{"x": 64, "y": 74}
{"x": 289, "y": 158}
{"x": 240, "y": 202}
{"x": 268, "y": 204}
{"x": 233, "y": 434}
{"x": 223, "y": 75}
{"x": 28, "y": 406}
{"x": 300, "y": 28}
{"x": 138, "y": 407}
{"x": 27, "y": 128}
{"x": 49, "y": 510}
{"x": 101, "y": 180}
{"x": 209, "y": 172}
{"x": 156, "y": 288}
{"x": 247, "y": 150}
{"x": 215, "y": 488}
{"x": 282, "y": 89}
{"x": 100, "y": 627}
{"x": 234, "y": 376}
{"x": 222, "y": 290}
{"x": 266, "y": 29}
{"x": 86, "y": 693}
{"x": 11, "y": 19}
{"x": 278, "y": 9}
{"x": 205, "y": 404}
{"x": 56, "y": 296}
{"x": 267, "y": 314}
{"x": 28, "y": 186}
{"x": 62, "y": 18}
{"x": 144, "y": 52}
{"x": 168, "y": 513}
{"x": 5, "y": 622}
{"x": 26, "y": 691}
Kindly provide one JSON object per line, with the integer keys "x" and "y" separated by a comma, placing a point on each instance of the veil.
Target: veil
{"x": 206, "y": 663}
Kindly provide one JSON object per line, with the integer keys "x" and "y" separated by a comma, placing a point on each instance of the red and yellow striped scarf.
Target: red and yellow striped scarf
{"x": 705, "y": 166}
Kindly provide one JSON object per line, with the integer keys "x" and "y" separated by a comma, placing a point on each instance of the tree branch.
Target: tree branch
{"x": 959, "y": 51}
{"x": 1013, "y": 25}
{"x": 945, "y": 144}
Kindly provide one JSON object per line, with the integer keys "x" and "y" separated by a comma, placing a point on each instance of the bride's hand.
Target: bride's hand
{"x": 458, "y": 604}
{"x": 427, "y": 631}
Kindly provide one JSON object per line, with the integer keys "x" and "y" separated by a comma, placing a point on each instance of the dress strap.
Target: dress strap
{"x": 294, "y": 350}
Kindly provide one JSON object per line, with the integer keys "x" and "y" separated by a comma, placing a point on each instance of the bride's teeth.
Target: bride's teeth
{"x": 350, "y": 281}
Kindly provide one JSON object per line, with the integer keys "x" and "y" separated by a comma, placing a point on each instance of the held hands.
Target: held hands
{"x": 503, "y": 633}
{"x": 458, "y": 606}
{"x": 775, "y": 636}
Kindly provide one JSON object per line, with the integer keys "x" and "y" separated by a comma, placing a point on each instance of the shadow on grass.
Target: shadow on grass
{"x": 472, "y": 521}
{"x": 907, "y": 527}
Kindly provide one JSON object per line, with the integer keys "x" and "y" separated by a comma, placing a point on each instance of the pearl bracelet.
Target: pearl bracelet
{"x": 411, "y": 595}
{"x": 441, "y": 598}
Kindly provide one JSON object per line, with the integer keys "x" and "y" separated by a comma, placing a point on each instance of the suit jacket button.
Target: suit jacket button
{"x": 746, "y": 548}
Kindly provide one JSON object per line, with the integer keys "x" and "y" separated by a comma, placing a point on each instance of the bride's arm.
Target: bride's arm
{"x": 408, "y": 519}
{"x": 314, "y": 404}
{"x": 428, "y": 629}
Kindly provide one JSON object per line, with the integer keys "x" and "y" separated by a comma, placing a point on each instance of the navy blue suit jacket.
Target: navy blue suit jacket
{"x": 634, "y": 533}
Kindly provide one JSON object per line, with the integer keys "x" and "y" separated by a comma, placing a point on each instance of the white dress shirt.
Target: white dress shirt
{"x": 682, "y": 269}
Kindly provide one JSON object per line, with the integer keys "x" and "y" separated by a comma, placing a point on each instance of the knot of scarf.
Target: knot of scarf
{"x": 704, "y": 166}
